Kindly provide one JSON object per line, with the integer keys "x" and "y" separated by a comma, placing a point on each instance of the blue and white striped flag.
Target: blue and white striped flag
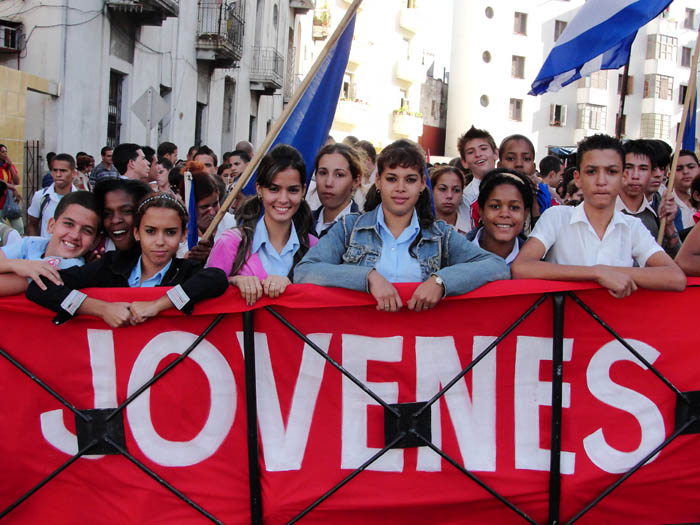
{"x": 599, "y": 37}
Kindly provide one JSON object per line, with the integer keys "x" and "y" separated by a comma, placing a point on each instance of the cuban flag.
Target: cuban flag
{"x": 599, "y": 37}
{"x": 309, "y": 123}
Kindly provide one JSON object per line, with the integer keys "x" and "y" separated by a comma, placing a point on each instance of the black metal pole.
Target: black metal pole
{"x": 256, "y": 514}
{"x": 557, "y": 379}
{"x": 623, "y": 95}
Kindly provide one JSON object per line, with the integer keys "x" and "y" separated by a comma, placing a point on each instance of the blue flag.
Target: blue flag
{"x": 192, "y": 230}
{"x": 307, "y": 127}
{"x": 599, "y": 37}
{"x": 689, "y": 132}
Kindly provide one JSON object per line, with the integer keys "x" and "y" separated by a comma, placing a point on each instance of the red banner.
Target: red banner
{"x": 316, "y": 427}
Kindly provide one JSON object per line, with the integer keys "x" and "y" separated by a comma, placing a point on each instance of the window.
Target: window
{"x": 630, "y": 84}
{"x": 114, "y": 108}
{"x": 661, "y": 47}
{"x": 591, "y": 116}
{"x": 404, "y": 99}
{"x": 516, "y": 109}
{"x": 689, "y": 22}
{"x": 658, "y": 86}
{"x": 349, "y": 87}
{"x": 599, "y": 79}
{"x": 518, "y": 67}
{"x": 655, "y": 125}
{"x": 520, "y": 26}
{"x": 557, "y": 115}
{"x": 559, "y": 26}
{"x": 685, "y": 56}
{"x": 199, "y": 123}
{"x": 682, "y": 91}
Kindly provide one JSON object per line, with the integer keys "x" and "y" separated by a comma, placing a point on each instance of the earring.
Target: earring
{"x": 378, "y": 192}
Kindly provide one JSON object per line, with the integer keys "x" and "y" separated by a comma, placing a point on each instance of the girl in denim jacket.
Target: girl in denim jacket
{"x": 397, "y": 239}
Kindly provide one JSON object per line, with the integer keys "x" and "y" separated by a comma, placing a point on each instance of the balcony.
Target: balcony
{"x": 407, "y": 125}
{"x": 301, "y": 7}
{"x": 409, "y": 71}
{"x": 350, "y": 113}
{"x": 220, "y": 33}
{"x": 359, "y": 54}
{"x": 145, "y": 12}
{"x": 267, "y": 70}
{"x": 409, "y": 19}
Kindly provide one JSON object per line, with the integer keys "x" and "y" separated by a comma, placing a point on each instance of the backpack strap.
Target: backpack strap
{"x": 45, "y": 199}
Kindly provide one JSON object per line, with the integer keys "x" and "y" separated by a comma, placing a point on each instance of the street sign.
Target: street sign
{"x": 149, "y": 109}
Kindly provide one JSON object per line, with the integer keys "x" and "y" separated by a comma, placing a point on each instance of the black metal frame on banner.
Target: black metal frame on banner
{"x": 101, "y": 441}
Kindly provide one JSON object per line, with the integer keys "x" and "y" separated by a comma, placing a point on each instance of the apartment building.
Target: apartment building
{"x": 392, "y": 50}
{"x": 191, "y": 72}
{"x": 499, "y": 47}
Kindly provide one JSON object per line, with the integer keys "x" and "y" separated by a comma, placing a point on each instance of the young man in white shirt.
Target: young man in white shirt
{"x": 479, "y": 154}
{"x": 44, "y": 201}
{"x": 592, "y": 241}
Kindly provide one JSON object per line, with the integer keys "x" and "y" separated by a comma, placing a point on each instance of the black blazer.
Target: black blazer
{"x": 113, "y": 270}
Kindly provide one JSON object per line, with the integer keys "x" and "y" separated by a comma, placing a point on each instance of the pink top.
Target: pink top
{"x": 224, "y": 253}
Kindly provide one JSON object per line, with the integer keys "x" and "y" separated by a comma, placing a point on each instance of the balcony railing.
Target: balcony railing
{"x": 220, "y": 29}
{"x": 267, "y": 70}
{"x": 146, "y": 12}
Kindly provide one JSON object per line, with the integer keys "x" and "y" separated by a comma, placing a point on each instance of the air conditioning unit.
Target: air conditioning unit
{"x": 9, "y": 37}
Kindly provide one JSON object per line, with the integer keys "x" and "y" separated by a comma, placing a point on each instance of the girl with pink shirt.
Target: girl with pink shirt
{"x": 272, "y": 236}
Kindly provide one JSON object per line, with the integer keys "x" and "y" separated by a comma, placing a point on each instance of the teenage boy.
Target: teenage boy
{"x": 639, "y": 164}
{"x": 552, "y": 173}
{"x": 131, "y": 162}
{"x": 206, "y": 156}
{"x": 73, "y": 229}
{"x": 168, "y": 150}
{"x": 592, "y": 241}
{"x": 105, "y": 169}
{"x": 479, "y": 154}
{"x": 45, "y": 201}
{"x": 238, "y": 159}
{"x": 686, "y": 170}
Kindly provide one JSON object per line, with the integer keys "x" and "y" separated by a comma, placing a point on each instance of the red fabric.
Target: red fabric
{"x": 112, "y": 490}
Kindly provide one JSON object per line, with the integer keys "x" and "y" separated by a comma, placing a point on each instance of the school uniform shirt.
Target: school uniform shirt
{"x": 569, "y": 238}
{"x": 320, "y": 221}
{"x": 273, "y": 262}
{"x": 687, "y": 212}
{"x": 135, "y": 280}
{"x": 35, "y": 210}
{"x": 471, "y": 193}
{"x": 395, "y": 263}
{"x": 513, "y": 253}
{"x": 34, "y": 248}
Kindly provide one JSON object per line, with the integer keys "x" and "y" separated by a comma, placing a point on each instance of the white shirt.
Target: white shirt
{"x": 471, "y": 193}
{"x": 620, "y": 206}
{"x": 687, "y": 212}
{"x": 227, "y": 222}
{"x": 569, "y": 238}
{"x": 34, "y": 209}
{"x": 322, "y": 225}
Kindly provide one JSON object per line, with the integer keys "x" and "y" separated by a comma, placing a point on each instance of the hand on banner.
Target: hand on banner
{"x": 618, "y": 283}
{"x": 388, "y": 299}
{"x": 275, "y": 285}
{"x": 426, "y": 296}
{"x": 250, "y": 287}
{"x": 144, "y": 310}
{"x": 116, "y": 314}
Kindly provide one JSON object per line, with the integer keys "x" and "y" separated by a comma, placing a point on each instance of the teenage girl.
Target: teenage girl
{"x": 448, "y": 186}
{"x": 274, "y": 229}
{"x": 505, "y": 200}
{"x": 338, "y": 174}
{"x": 160, "y": 224}
{"x": 398, "y": 240}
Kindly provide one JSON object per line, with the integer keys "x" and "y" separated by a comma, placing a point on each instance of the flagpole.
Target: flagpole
{"x": 689, "y": 97}
{"x": 623, "y": 95}
{"x": 279, "y": 123}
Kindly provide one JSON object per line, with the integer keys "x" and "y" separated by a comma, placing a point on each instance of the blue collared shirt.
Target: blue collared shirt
{"x": 395, "y": 264}
{"x": 135, "y": 276}
{"x": 34, "y": 249}
{"x": 273, "y": 262}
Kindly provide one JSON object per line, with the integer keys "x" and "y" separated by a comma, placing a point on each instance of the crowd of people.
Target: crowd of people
{"x": 366, "y": 221}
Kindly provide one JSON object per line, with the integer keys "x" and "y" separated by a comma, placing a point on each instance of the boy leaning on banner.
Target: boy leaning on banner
{"x": 593, "y": 241}
{"x": 72, "y": 231}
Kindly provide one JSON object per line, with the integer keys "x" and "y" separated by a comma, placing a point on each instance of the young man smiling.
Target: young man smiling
{"x": 45, "y": 201}
{"x": 592, "y": 241}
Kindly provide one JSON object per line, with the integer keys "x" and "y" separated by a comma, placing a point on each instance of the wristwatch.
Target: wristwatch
{"x": 439, "y": 281}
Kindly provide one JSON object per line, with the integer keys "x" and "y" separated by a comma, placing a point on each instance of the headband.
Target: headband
{"x": 162, "y": 196}
{"x": 511, "y": 176}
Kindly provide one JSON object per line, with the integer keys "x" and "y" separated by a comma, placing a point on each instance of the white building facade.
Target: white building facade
{"x": 223, "y": 69}
{"x": 499, "y": 47}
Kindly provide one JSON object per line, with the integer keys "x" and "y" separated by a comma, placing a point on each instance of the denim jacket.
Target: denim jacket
{"x": 351, "y": 248}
